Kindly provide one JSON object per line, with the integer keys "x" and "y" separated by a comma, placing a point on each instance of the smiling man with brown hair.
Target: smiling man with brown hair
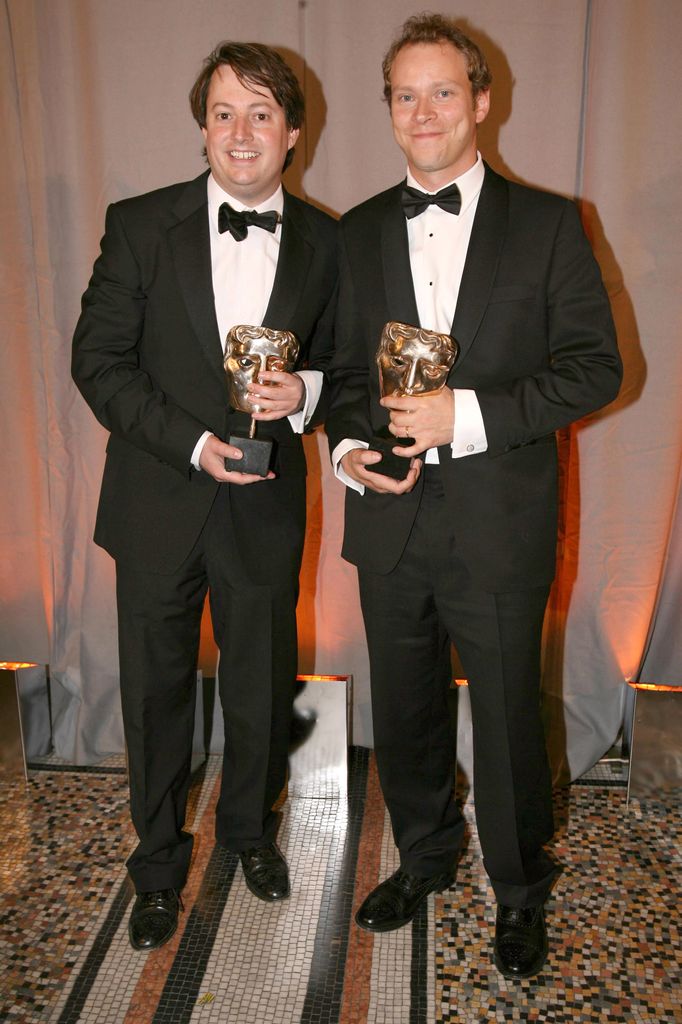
{"x": 179, "y": 268}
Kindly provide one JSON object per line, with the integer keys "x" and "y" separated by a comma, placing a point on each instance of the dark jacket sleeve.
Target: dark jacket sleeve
{"x": 106, "y": 364}
{"x": 582, "y": 369}
{"x": 349, "y": 414}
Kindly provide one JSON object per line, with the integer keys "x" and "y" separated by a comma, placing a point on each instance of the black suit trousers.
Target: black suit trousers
{"x": 159, "y": 631}
{"x": 410, "y": 614}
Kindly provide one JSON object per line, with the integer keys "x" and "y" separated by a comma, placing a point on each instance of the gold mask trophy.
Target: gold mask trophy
{"x": 412, "y": 361}
{"x": 248, "y": 351}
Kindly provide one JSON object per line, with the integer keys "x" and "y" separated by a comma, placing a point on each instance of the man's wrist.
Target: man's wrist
{"x": 195, "y": 460}
{"x": 312, "y": 388}
{"x": 469, "y": 436}
{"x": 342, "y": 449}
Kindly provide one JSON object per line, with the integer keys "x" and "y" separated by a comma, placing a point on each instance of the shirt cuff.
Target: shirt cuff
{"x": 341, "y": 449}
{"x": 198, "y": 449}
{"x": 469, "y": 435}
{"x": 312, "y": 382}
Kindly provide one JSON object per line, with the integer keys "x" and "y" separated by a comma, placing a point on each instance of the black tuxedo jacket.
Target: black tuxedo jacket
{"x": 537, "y": 344}
{"x": 147, "y": 357}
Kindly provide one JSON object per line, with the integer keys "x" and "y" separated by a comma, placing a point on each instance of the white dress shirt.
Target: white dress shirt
{"x": 438, "y": 243}
{"x": 243, "y": 275}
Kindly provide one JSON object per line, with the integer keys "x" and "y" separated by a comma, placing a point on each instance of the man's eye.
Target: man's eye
{"x": 262, "y": 117}
{"x": 444, "y": 93}
{"x": 223, "y": 116}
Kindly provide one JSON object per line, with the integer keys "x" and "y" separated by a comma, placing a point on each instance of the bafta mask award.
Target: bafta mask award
{"x": 412, "y": 361}
{"x": 249, "y": 351}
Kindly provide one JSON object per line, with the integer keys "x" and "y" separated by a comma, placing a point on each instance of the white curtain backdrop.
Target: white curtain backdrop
{"x": 585, "y": 102}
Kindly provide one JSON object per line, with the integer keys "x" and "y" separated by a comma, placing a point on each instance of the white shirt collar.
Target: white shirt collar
{"x": 218, "y": 195}
{"x": 469, "y": 183}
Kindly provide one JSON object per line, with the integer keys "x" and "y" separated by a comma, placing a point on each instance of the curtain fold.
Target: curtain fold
{"x": 25, "y": 532}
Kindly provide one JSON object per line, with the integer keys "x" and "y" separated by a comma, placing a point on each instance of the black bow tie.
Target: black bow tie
{"x": 237, "y": 221}
{"x": 415, "y": 202}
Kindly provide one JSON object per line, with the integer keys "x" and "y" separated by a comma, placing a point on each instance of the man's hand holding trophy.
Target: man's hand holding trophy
{"x": 249, "y": 352}
{"x": 414, "y": 364}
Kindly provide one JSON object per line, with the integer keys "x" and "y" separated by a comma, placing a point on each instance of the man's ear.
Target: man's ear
{"x": 482, "y": 105}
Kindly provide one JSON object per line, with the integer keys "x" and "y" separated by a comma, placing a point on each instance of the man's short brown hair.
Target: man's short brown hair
{"x": 437, "y": 28}
{"x": 253, "y": 64}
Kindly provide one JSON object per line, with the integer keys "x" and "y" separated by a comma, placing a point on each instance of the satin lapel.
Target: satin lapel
{"x": 395, "y": 255}
{"x": 191, "y": 249}
{"x": 295, "y": 256}
{"x": 487, "y": 238}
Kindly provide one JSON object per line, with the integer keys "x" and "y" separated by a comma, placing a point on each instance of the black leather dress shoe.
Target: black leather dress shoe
{"x": 520, "y": 941}
{"x": 266, "y": 872}
{"x": 395, "y": 902}
{"x": 154, "y": 918}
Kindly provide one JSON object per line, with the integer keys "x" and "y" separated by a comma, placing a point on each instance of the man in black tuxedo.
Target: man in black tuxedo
{"x": 464, "y": 547}
{"x": 178, "y": 268}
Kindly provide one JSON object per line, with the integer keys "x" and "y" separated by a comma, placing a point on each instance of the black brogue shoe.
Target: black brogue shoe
{"x": 520, "y": 941}
{"x": 395, "y": 902}
{"x": 154, "y": 918}
{"x": 266, "y": 872}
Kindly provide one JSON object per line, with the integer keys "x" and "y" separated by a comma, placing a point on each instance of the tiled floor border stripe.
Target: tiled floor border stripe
{"x": 178, "y": 998}
{"x": 93, "y": 769}
{"x": 602, "y": 783}
{"x": 160, "y": 970}
{"x": 419, "y": 973}
{"x": 180, "y": 992}
{"x": 87, "y": 973}
{"x": 358, "y": 974}
{"x": 76, "y": 769}
{"x": 322, "y": 1004}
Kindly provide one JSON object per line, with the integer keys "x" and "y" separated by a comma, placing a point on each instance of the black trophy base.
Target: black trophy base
{"x": 256, "y": 459}
{"x": 395, "y": 466}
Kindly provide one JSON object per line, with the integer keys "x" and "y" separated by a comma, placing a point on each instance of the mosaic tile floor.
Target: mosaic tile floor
{"x": 613, "y": 917}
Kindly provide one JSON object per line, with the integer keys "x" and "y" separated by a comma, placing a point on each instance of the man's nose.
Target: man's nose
{"x": 423, "y": 110}
{"x": 242, "y": 128}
